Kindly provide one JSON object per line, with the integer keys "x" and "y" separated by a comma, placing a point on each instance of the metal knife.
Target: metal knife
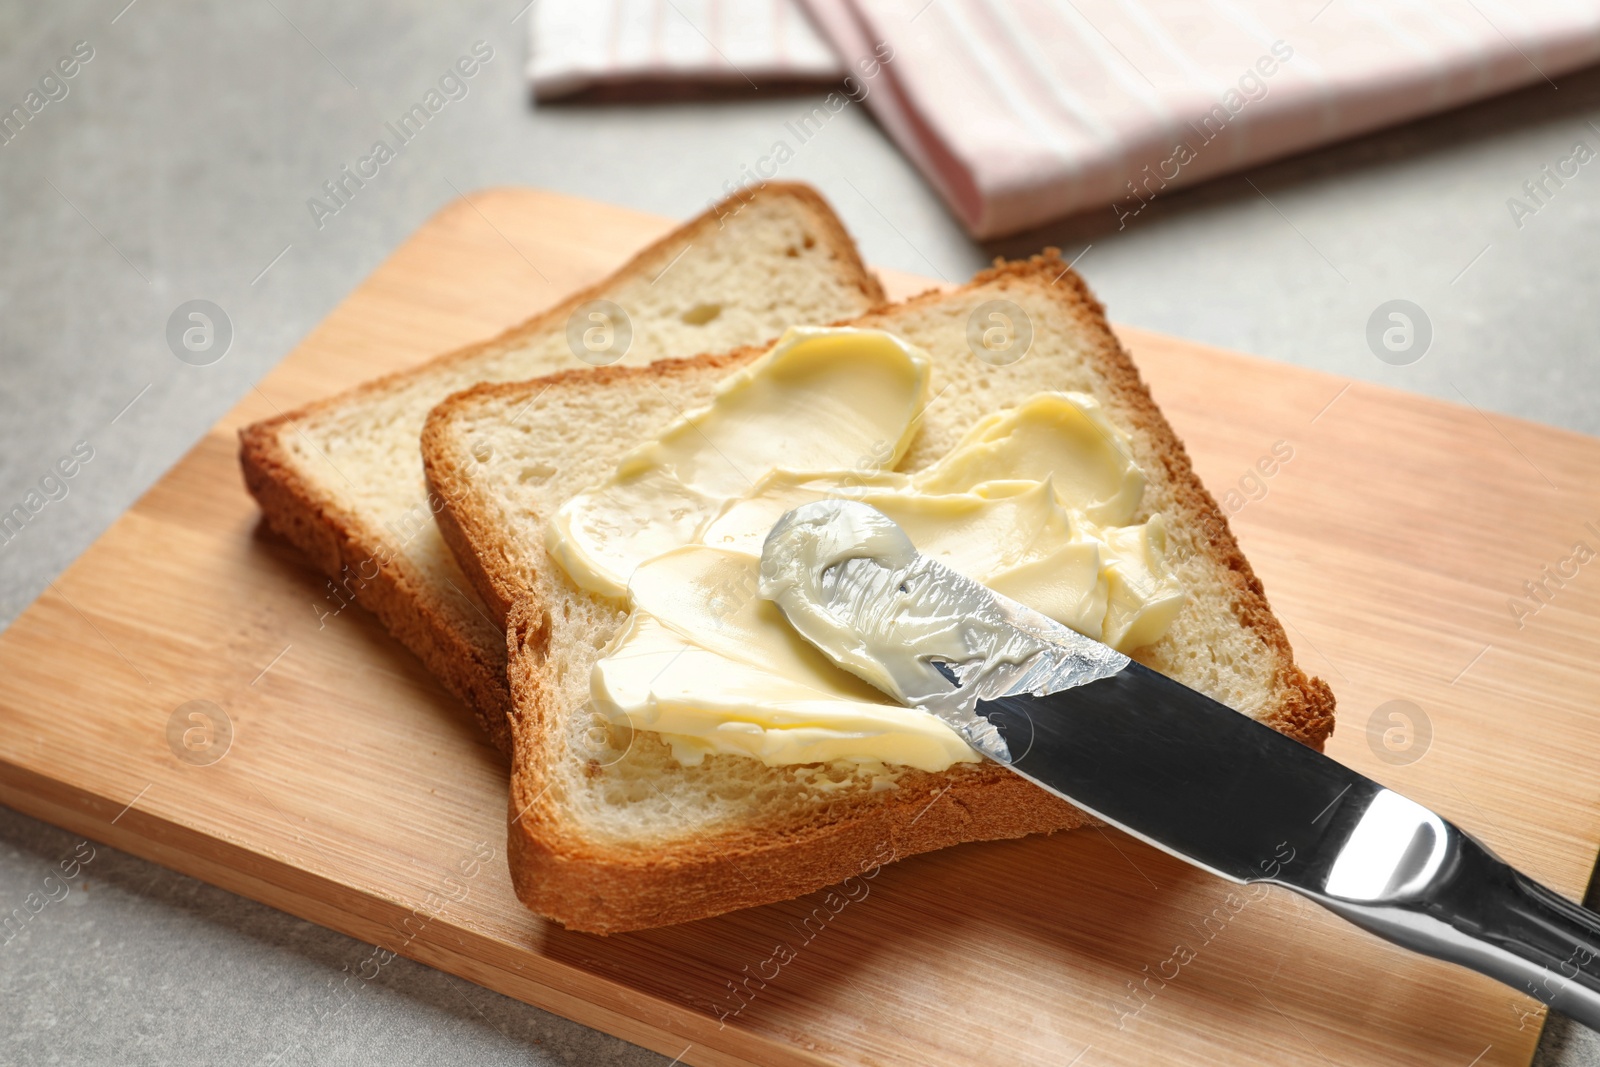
{"x": 1169, "y": 765}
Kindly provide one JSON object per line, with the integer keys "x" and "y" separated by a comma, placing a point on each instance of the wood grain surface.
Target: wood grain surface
{"x": 354, "y": 793}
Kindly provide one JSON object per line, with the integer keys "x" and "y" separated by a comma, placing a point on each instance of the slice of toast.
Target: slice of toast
{"x": 342, "y": 479}
{"x": 609, "y": 832}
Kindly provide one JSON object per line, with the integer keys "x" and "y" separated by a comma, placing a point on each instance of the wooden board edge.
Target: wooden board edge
{"x": 609, "y": 1007}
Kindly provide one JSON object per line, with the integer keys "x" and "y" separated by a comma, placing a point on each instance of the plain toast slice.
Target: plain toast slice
{"x": 609, "y": 833}
{"x": 342, "y": 478}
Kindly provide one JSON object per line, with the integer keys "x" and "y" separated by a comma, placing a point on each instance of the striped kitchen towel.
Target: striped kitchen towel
{"x": 1022, "y": 111}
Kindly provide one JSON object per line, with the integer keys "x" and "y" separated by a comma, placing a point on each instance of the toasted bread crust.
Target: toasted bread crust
{"x": 341, "y": 541}
{"x": 591, "y": 887}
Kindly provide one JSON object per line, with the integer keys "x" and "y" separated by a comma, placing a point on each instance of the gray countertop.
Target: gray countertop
{"x": 178, "y": 166}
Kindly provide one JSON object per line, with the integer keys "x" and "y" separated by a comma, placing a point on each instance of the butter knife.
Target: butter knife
{"x": 1165, "y": 763}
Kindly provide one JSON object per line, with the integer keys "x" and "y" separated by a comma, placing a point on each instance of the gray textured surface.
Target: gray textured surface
{"x": 178, "y": 167}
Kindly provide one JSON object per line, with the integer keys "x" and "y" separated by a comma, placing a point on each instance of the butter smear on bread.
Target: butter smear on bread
{"x": 1036, "y": 502}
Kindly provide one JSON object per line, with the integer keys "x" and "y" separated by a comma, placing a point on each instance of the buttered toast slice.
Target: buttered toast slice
{"x": 342, "y": 479}
{"x": 609, "y": 831}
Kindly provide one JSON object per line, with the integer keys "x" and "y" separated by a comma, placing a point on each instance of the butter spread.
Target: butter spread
{"x": 1064, "y": 437}
{"x": 716, "y": 676}
{"x": 1036, "y": 502}
{"x": 821, "y": 399}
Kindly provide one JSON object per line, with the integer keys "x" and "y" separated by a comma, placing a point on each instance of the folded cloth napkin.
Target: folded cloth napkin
{"x": 1022, "y": 111}
{"x": 583, "y": 45}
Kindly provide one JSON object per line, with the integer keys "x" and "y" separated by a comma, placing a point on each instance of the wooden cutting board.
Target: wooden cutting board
{"x": 354, "y": 793}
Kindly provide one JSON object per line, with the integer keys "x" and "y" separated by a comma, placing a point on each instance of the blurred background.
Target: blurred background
{"x": 178, "y": 160}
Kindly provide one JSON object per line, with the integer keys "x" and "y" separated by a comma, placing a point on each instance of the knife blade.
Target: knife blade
{"x": 1167, "y": 763}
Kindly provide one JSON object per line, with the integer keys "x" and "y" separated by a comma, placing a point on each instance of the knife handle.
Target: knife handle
{"x": 1480, "y": 912}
